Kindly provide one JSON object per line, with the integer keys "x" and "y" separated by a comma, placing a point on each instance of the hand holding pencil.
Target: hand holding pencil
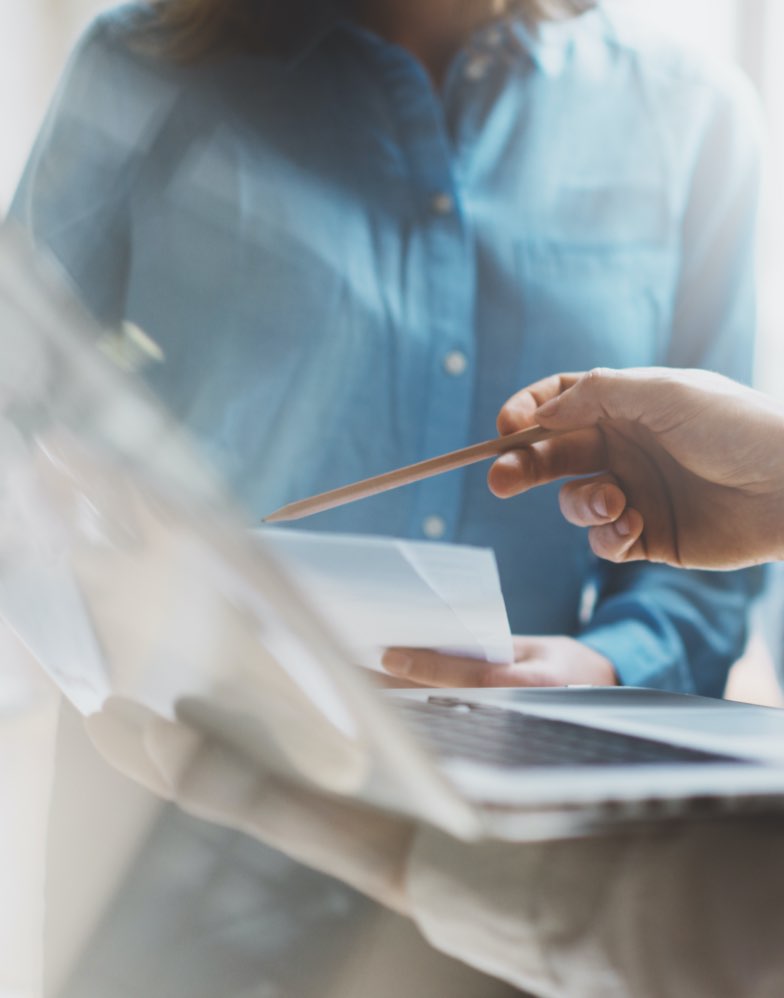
{"x": 680, "y": 467}
{"x": 686, "y": 467}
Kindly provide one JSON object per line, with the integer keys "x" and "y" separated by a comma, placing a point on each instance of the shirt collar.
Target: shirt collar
{"x": 549, "y": 44}
{"x": 320, "y": 24}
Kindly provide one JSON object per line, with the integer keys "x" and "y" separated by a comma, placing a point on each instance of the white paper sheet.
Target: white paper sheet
{"x": 383, "y": 592}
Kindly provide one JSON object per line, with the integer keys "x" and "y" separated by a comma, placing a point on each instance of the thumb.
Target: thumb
{"x": 603, "y": 393}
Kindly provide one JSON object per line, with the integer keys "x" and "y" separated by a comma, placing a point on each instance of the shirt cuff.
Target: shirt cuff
{"x": 640, "y": 656}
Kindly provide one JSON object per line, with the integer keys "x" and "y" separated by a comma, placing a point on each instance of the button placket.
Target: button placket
{"x": 441, "y": 245}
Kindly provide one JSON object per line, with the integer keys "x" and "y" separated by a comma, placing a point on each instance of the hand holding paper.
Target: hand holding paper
{"x": 382, "y": 592}
{"x": 536, "y": 661}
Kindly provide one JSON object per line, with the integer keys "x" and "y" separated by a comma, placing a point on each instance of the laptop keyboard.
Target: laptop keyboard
{"x": 454, "y": 728}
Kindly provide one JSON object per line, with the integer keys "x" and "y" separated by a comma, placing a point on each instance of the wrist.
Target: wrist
{"x": 600, "y": 666}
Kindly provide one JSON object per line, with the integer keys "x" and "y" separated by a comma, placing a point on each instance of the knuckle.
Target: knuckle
{"x": 593, "y": 378}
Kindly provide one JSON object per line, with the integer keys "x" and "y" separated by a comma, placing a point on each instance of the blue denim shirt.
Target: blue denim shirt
{"x": 349, "y": 271}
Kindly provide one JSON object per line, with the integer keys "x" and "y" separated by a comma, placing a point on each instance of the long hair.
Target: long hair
{"x": 192, "y": 29}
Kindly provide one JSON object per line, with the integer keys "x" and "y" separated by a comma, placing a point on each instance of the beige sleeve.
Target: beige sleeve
{"x": 693, "y": 910}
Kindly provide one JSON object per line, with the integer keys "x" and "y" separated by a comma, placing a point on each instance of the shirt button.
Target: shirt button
{"x": 443, "y": 204}
{"x": 455, "y": 363}
{"x": 477, "y": 67}
{"x": 434, "y": 527}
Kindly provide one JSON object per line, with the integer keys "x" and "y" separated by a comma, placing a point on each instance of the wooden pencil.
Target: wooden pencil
{"x": 411, "y": 473}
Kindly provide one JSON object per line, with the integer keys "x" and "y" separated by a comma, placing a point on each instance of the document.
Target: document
{"x": 383, "y": 592}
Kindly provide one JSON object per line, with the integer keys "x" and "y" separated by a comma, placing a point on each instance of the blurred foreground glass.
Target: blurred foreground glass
{"x": 127, "y": 570}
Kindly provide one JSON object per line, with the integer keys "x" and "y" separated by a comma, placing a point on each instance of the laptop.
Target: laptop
{"x": 109, "y": 510}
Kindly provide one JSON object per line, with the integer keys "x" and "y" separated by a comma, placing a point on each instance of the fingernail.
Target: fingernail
{"x": 548, "y": 409}
{"x": 622, "y": 527}
{"x": 599, "y": 504}
{"x": 397, "y": 662}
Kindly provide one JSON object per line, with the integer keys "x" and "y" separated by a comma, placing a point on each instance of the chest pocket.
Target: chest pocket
{"x": 597, "y": 285}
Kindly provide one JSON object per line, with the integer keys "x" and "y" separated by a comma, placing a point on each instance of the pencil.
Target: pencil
{"x": 411, "y": 473}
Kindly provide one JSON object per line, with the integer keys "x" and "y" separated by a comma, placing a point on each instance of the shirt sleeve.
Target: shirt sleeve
{"x": 660, "y": 626}
{"x": 75, "y": 191}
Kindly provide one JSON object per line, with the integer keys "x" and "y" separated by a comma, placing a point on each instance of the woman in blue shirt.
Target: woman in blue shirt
{"x": 356, "y": 229}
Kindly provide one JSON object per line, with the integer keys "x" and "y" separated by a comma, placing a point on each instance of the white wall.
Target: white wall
{"x": 770, "y": 369}
{"x": 709, "y": 25}
{"x": 35, "y": 36}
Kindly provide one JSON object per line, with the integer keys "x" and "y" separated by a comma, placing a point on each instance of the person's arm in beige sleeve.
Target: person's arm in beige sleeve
{"x": 681, "y": 467}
